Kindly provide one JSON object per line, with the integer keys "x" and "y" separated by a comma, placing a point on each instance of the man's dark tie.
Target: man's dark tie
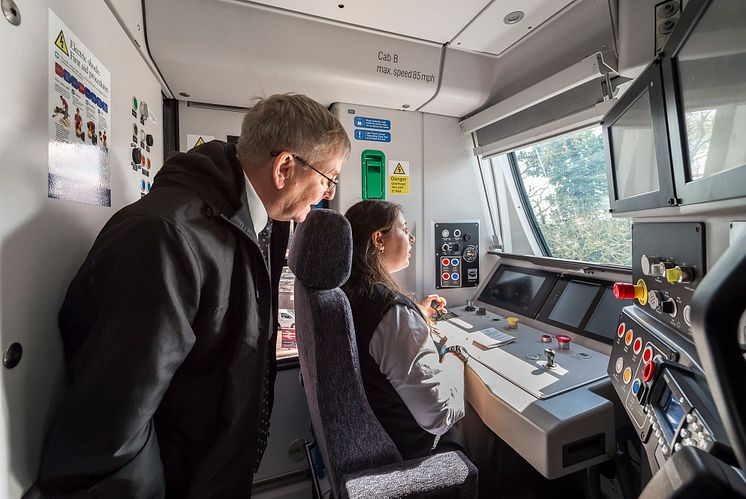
{"x": 263, "y": 430}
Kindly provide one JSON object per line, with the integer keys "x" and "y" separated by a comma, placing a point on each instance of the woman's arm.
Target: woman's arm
{"x": 432, "y": 390}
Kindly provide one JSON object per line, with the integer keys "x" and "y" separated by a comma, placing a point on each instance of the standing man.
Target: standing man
{"x": 169, "y": 326}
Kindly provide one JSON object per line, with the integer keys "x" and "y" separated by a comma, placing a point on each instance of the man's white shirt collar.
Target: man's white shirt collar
{"x": 258, "y": 212}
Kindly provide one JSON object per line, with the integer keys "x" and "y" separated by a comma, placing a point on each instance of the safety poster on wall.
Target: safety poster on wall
{"x": 79, "y": 119}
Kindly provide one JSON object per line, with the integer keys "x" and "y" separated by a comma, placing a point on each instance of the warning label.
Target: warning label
{"x": 197, "y": 140}
{"x": 79, "y": 119}
{"x": 61, "y": 44}
{"x": 398, "y": 177}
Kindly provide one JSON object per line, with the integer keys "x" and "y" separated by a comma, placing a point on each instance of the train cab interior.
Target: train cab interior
{"x": 574, "y": 172}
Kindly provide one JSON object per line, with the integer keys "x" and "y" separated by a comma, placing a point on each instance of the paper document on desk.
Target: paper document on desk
{"x": 491, "y": 337}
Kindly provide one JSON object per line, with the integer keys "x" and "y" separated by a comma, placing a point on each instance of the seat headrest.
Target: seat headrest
{"x": 320, "y": 255}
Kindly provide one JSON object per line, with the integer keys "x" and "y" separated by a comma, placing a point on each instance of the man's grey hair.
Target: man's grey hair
{"x": 293, "y": 123}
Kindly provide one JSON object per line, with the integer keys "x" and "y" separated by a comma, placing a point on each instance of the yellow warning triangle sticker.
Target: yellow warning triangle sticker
{"x": 199, "y": 142}
{"x": 61, "y": 44}
{"x": 399, "y": 170}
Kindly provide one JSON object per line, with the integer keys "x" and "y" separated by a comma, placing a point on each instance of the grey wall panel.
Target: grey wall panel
{"x": 215, "y": 122}
{"x": 405, "y": 145}
{"x": 466, "y": 81}
{"x": 228, "y": 52}
{"x": 453, "y": 192}
{"x": 43, "y": 240}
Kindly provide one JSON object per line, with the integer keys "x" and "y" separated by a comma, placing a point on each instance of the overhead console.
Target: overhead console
{"x": 674, "y": 137}
{"x": 539, "y": 332}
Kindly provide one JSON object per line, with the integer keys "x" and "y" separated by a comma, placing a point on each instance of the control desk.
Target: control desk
{"x": 539, "y": 339}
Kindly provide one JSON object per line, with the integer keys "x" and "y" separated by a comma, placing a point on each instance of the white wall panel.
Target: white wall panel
{"x": 43, "y": 241}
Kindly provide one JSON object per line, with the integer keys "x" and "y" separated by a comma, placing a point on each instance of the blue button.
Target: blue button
{"x": 455, "y": 262}
{"x": 636, "y": 386}
{"x": 454, "y": 276}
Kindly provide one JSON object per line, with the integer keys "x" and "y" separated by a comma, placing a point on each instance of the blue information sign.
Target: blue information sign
{"x": 377, "y": 123}
{"x": 372, "y": 135}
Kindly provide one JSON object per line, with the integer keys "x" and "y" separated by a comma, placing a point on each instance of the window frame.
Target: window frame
{"x": 529, "y": 209}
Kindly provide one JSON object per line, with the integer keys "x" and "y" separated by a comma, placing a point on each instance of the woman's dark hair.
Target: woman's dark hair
{"x": 367, "y": 217}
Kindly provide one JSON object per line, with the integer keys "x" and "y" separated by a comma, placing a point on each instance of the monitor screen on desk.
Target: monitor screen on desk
{"x": 604, "y": 320}
{"x": 573, "y": 303}
{"x": 516, "y": 289}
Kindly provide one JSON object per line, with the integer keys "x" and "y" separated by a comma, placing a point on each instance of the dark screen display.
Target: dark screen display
{"x": 512, "y": 290}
{"x": 604, "y": 319}
{"x": 573, "y": 303}
{"x": 671, "y": 408}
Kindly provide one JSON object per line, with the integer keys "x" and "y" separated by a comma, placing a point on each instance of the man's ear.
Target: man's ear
{"x": 281, "y": 169}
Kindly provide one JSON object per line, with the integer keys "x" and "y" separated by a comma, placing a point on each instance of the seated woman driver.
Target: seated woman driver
{"x": 416, "y": 395}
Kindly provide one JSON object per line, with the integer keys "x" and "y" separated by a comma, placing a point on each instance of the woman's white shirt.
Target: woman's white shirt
{"x": 432, "y": 391}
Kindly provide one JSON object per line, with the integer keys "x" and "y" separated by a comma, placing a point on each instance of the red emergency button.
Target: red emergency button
{"x": 648, "y": 371}
{"x": 638, "y": 345}
{"x": 620, "y": 330}
{"x": 446, "y": 276}
{"x": 563, "y": 342}
{"x": 446, "y": 262}
{"x": 647, "y": 354}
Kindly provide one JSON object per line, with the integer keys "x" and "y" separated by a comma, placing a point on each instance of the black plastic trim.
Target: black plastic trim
{"x": 723, "y": 185}
{"x": 717, "y": 307}
{"x": 649, "y": 81}
{"x": 170, "y": 127}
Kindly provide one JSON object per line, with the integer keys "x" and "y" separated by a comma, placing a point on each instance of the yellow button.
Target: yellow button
{"x": 673, "y": 274}
{"x": 627, "y": 375}
{"x": 512, "y": 322}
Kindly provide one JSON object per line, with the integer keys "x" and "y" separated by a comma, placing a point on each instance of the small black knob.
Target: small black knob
{"x": 149, "y": 139}
{"x": 482, "y": 311}
{"x": 467, "y": 237}
{"x": 13, "y": 355}
{"x": 136, "y": 155}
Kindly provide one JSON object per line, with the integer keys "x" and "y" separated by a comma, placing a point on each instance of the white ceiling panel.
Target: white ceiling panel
{"x": 433, "y": 20}
{"x": 489, "y": 33}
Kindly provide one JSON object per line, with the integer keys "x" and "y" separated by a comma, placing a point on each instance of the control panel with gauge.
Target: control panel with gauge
{"x": 653, "y": 365}
{"x": 668, "y": 261}
{"x": 456, "y": 255}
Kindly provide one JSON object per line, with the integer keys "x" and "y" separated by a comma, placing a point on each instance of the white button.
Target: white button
{"x": 702, "y": 445}
{"x": 688, "y": 442}
{"x": 657, "y": 433}
{"x": 654, "y": 426}
{"x": 690, "y": 418}
{"x": 684, "y": 433}
{"x": 661, "y": 441}
{"x": 619, "y": 365}
{"x": 665, "y": 450}
{"x": 695, "y": 427}
{"x": 677, "y": 447}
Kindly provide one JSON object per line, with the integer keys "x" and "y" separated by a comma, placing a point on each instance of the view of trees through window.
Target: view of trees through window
{"x": 565, "y": 179}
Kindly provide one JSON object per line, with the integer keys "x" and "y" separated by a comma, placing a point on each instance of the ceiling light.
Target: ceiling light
{"x": 513, "y": 17}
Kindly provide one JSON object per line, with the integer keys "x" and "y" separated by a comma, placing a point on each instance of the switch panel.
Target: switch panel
{"x": 456, "y": 255}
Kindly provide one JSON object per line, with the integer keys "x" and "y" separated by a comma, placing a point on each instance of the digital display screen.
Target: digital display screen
{"x": 604, "y": 320}
{"x": 573, "y": 303}
{"x": 672, "y": 411}
{"x": 512, "y": 290}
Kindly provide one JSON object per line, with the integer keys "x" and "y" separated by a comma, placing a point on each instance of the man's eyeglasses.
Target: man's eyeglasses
{"x": 330, "y": 182}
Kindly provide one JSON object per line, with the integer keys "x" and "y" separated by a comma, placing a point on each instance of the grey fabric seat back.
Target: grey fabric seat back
{"x": 349, "y": 435}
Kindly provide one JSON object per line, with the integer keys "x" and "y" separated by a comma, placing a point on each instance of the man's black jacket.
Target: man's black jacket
{"x": 166, "y": 329}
